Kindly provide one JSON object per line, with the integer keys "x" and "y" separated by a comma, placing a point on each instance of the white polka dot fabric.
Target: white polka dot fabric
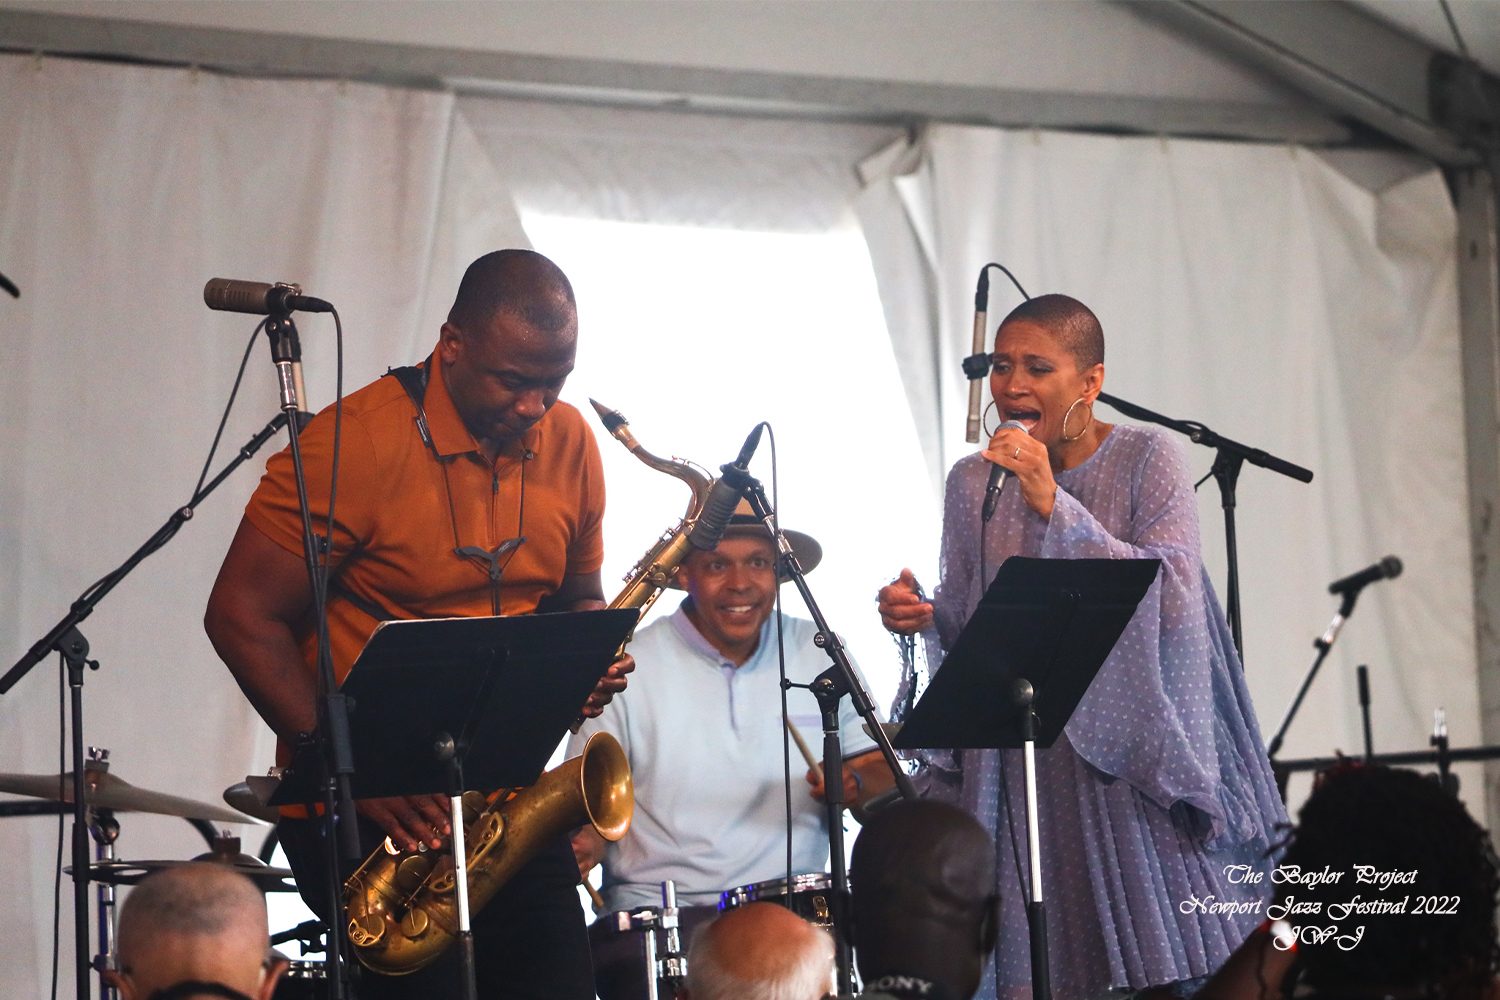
{"x": 1160, "y": 780}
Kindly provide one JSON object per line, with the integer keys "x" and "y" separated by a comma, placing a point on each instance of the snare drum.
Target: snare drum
{"x": 811, "y": 898}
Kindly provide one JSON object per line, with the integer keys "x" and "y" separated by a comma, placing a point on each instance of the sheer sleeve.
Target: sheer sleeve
{"x": 1169, "y": 712}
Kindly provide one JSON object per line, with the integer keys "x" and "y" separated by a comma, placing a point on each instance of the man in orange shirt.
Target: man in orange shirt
{"x": 475, "y": 494}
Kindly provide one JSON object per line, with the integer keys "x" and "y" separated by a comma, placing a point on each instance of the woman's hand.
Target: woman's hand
{"x": 901, "y": 610}
{"x": 1027, "y": 459}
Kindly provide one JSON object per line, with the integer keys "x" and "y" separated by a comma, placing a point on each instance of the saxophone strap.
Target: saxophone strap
{"x": 413, "y": 379}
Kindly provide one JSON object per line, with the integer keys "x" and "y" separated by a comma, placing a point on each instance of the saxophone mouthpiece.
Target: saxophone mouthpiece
{"x": 612, "y": 419}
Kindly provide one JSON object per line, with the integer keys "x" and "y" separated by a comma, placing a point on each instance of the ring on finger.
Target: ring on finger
{"x": 1018, "y": 452}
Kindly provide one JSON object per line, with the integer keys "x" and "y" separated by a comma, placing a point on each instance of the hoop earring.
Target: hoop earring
{"x": 1085, "y": 427}
{"x": 985, "y": 417}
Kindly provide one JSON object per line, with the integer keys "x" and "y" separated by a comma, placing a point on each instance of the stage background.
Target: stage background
{"x": 1272, "y": 295}
{"x": 1253, "y": 287}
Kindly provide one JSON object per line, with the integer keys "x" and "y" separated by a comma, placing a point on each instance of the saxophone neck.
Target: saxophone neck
{"x": 619, "y": 429}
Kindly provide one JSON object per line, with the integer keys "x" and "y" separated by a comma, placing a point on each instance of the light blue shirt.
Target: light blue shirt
{"x": 704, "y": 741}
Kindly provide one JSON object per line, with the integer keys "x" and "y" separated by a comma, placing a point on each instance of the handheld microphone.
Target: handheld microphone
{"x": 1387, "y": 569}
{"x": 259, "y": 298}
{"x": 723, "y": 498}
{"x": 997, "y": 477}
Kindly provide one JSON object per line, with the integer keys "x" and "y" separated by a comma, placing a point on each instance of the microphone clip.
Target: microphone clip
{"x": 977, "y": 366}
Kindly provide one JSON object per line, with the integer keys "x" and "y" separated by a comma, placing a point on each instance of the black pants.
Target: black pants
{"x": 530, "y": 942}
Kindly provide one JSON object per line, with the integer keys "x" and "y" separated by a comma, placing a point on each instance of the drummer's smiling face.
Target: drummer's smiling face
{"x": 1035, "y": 379}
{"x": 734, "y": 591}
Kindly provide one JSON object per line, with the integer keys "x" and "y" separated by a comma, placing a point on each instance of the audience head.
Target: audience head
{"x": 762, "y": 951}
{"x": 924, "y": 897}
{"x": 199, "y": 923}
{"x": 1395, "y": 821}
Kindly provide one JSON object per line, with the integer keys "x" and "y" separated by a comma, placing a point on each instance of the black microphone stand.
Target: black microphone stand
{"x": 829, "y": 687}
{"x": 1226, "y": 472}
{"x": 69, "y": 642}
{"x": 1323, "y": 644}
{"x": 330, "y": 741}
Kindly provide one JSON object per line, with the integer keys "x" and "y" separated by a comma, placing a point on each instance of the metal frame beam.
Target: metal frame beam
{"x": 1479, "y": 317}
{"x": 644, "y": 85}
{"x": 1340, "y": 56}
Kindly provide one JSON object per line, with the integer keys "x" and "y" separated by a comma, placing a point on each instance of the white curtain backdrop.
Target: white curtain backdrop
{"x": 122, "y": 189}
{"x": 723, "y": 279}
{"x": 1258, "y": 290}
{"x": 1253, "y": 288}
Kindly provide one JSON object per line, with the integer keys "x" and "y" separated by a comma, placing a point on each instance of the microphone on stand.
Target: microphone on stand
{"x": 977, "y": 364}
{"x": 998, "y": 474}
{"x": 260, "y": 298}
{"x": 723, "y": 498}
{"x": 1387, "y": 569}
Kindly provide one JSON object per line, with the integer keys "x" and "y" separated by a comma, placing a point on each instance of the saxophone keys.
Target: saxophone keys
{"x": 474, "y": 803}
{"x": 366, "y": 930}
{"x": 412, "y": 872}
{"x": 414, "y": 924}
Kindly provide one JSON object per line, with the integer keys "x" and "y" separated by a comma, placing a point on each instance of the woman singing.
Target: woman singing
{"x": 1157, "y": 804}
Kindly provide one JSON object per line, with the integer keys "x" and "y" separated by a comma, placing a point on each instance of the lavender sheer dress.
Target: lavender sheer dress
{"x": 1160, "y": 781}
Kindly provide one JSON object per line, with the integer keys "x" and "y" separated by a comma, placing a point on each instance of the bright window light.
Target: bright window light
{"x": 697, "y": 334}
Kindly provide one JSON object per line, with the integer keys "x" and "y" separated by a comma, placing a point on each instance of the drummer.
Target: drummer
{"x": 701, "y": 724}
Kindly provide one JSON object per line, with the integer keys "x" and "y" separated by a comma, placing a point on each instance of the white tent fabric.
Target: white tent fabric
{"x": 122, "y": 189}
{"x": 675, "y": 168}
{"x": 1260, "y": 291}
{"x": 1332, "y": 341}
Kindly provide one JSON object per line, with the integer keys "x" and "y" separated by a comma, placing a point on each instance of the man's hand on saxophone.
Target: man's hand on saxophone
{"x": 409, "y": 820}
{"x": 585, "y": 592}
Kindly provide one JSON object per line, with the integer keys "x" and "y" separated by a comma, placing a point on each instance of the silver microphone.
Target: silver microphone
{"x": 259, "y": 298}
{"x": 997, "y": 477}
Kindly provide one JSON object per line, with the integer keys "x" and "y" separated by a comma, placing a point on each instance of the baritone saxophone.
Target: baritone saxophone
{"x": 400, "y": 908}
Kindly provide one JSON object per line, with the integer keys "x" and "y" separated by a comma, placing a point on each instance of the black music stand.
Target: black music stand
{"x": 1018, "y": 670}
{"x": 442, "y": 705}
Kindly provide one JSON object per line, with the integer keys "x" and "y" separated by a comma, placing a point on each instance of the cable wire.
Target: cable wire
{"x": 321, "y": 559}
{"x": 202, "y": 476}
{"x": 786, "y": 719}
{"x": 1012, "y": 278}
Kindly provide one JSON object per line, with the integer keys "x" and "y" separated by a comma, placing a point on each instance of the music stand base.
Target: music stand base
{"x": 1041, "y": 975}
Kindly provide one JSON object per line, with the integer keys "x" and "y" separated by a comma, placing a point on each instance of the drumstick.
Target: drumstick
{"x": 595, "y": 898}
{"x": 807, "y": 754}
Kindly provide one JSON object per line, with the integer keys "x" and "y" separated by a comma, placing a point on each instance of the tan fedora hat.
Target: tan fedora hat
{"x": 743, "y": 523}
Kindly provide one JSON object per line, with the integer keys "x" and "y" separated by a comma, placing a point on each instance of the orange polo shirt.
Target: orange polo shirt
{"x": 395, "y": 532}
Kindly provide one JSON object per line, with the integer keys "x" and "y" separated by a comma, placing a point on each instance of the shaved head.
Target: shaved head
{"x": 762, "y": 951}
{"x": 1074, "y": 325}
{"x": 922, "y": 881}
{"x": 197, "y": 922}
{"x": 520, "y": 282}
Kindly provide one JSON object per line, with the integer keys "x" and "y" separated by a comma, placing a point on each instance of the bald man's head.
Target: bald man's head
{"x": 521, "y": 282}
{"x": 198, "y": 922}
{"x": 922, "y": 878}
{"x": 762, "y": 951}
{"x": 1074, "y": 325}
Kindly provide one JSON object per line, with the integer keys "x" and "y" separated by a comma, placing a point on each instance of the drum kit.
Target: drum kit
{"x": 107, "y": 794}
{"x": 626, "y": 943}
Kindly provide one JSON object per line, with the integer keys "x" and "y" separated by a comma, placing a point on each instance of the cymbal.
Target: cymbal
{"x": 130, "y": 872}
{"x": 226, "y": 851}
{"x": 106, "y": 791}
{"x": 242, "y": 797}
